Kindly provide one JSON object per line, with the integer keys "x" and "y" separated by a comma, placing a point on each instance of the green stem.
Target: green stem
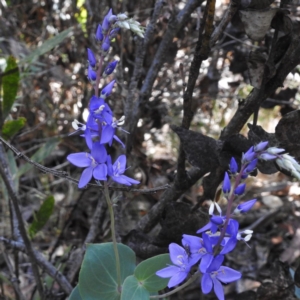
{"x": 113, "y": 233}
{"x": 191, "y": 279}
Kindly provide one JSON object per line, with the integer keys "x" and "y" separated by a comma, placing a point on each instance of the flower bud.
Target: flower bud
{"x": 233, "y": 166}
{"x": 261, "y": 146}
{"x": 110, "y": 67}
{"x": 122, "y": 17}
{"x": 99, "y": 35}
{"x": 226, "y": 184}
{"x": 107, "y": 89}
{"x": 123, "y": 24}
{"x": 245, "y": 207}
{"x": 248, "y": 156}
{"x": 266, "y": 156}
{"x": 114, "y": 33}
{"x": 106, "y": 24}
{"x": 274, "y": 150}
{"x": 91, "y": 58}
{"x": 240, "y": 189}
{"x": 92, "y": 75}
{"x": 106, "y": 44}
{"x": 251, "y": 166}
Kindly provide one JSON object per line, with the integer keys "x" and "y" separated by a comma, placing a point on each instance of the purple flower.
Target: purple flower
{"x": 108, "y": 134}
{"x": 105, "y": 92}
{"x": 99, "y": 35}
{"x": 267, "y": 156}
{"x": 106, "y": 44}
{"x": 245, "y": 207}
{"x": 240, "y": 189}
{"x": 106, "y": 23}
{"x": 181, "y": 268}
{"x": 233, "y": 231}
{"x": 91, "y": 58}
{"x": 92, "y": 75}
{"x": 251, "y": 166}
{"x": 233, "y": 166}
{"x": 226, "y": 184}
{"x": 261, "y": 146}
{"x": 94, "y": 164}
{"x": 110, "y": 67}
{"x": 100, "y": 110}
{"x": 196, "y": 248}
{"x": 116, "y": 170}
{"x": 215, "y": 274}
{"x": 114, "y": 33}
{"x": 249, "y": 155}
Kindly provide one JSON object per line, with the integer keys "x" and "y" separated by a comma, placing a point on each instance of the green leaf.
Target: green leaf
{"x": 98, "y": 276}
{"x": 40, "y": 155}
{"x": 13, "y": 168}
{"x": 75, "y": 295}
{"x": 42, "y": 216}
{"x": 11, "y": 127}
{"x": 47, "y": 46}
{"x": 10, "y": 86}
{"x": 132, "y": 290}
{"x": 145, "y": 272}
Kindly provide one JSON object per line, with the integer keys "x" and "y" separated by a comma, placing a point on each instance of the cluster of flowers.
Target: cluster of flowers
{"x": 101, "y": 125}
{"x": 221, "y": 234}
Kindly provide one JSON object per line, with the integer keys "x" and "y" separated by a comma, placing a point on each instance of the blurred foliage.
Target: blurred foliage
{"x": 41, "y": 216}
{"x": 10, "y": 87}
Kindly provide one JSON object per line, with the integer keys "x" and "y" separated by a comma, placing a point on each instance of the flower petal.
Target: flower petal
{"x": 80, "y": 159}
{"x": 100, "y": 172}
{"x": 168, "y": 271}
{"x": 193, "y": 242}
{"x": 207, "y": 243}
{"x": 215, "y": 264}
{"x": 130, "y": 180}
{"x": 120, "y": 179}
{"x": 205, "y": 262}
{"x": 206, "y": 283}
{"x": 177, "y": 278}
{"x": 99, "y": 153}
{"x": 121, "y": 164}
{"x": 119, "y": 141}
{"x": 230, "y": 245}
{"x": 86, "y": 177}
{"x": 218, "y": 289}
{"x": 107, "y": 134}
{"x": 205, "y": 228}
{"x": 175, "y": 252}
{"x": 226, "y": 274}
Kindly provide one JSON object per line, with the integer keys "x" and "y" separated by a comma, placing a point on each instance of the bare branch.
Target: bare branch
{"x": 46, "y": 265}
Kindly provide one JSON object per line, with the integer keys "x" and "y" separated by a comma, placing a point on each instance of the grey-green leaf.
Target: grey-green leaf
{"x": 98, "y": 276}
{"x": 47, "y": 46}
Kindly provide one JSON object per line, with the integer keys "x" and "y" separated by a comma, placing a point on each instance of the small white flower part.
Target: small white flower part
{"x": 123, "y": 24}
{"x": 211, "y": 209}
{"x": 274, "y": 150}
{"x": 75, "y": 124}
{"x": 218, "y": 208}
{"x": 122, "y": 17}
{"x": 100, "y": 109}
{"x": 121, "y": 122}
{"x": 247, "y": 235}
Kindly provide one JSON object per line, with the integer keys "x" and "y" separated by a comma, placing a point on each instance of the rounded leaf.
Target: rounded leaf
{"x": 133, "y": 290}
{"x": 98, "y": 276}
{"x": 145, "y": 272}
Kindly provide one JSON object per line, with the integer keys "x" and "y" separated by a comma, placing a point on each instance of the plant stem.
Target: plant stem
{"x": 191, "y": 279}
{"x": 113, "y": 233}
{"x": 229, "y": 206}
